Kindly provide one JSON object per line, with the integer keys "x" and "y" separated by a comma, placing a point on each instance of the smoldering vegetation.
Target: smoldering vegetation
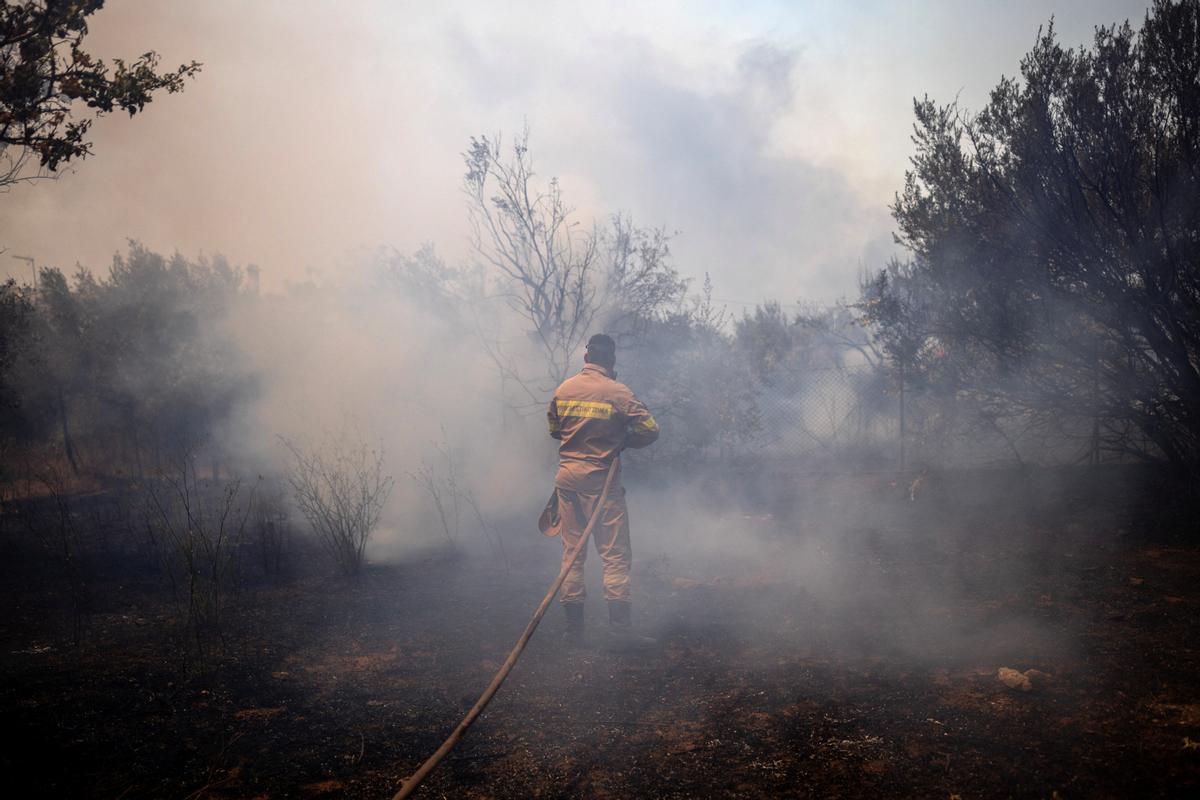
{"x": 882, "y": 545}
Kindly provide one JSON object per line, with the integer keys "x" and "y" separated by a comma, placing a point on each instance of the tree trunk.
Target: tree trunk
{"x": 66, "y": 433}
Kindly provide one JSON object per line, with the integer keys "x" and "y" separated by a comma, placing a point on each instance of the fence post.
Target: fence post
{"x": 902, "y": 420}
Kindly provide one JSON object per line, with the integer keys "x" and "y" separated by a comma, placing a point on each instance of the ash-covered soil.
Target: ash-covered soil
{"x": 795, "y": 661}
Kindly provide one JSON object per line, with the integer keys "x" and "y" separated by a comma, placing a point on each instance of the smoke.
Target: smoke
{"x": 954, "y": 571}
{"x": 864, "y": 563}
{"x": 409, "y": 374}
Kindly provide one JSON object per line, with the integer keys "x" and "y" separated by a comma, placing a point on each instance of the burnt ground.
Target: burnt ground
{"x": 798, "y": 661}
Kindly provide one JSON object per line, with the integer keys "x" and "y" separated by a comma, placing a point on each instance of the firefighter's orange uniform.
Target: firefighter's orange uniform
{"x": 594, "y": 417}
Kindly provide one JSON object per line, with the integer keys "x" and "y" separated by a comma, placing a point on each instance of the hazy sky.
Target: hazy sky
{"x": 770, "y": 135}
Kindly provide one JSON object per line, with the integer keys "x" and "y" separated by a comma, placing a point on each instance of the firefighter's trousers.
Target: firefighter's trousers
{"x": 610, "y": 536}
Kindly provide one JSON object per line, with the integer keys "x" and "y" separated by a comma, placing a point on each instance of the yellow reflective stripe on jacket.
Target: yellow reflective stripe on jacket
{"x": 646, "y": 426}
{"x": 584, "y": 408}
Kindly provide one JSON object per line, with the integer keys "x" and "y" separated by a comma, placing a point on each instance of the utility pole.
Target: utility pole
{"x": 32, "y": 267}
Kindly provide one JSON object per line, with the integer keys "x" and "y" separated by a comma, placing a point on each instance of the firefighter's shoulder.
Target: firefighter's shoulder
{"x": 569, "y": 388}
{"x": 566, "y": 386}
{"x": 622, "y": 389}
{"x": 621, "y": 393}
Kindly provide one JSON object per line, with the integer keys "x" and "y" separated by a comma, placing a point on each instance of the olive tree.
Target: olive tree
{"x": 51, "y": 89}
{"x": 1054, "y": 235}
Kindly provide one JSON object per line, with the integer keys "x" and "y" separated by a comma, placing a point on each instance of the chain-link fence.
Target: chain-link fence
{"x": 848, "y": 414}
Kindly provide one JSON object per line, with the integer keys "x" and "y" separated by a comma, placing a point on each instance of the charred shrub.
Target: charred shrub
{"x": 199, "y": 525}
{"x": 340, "y": 486}
{"x": 53, "y": 522}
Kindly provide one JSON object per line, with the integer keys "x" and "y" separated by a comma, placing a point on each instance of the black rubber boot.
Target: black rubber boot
{"x": 621, "y": 637}
{"x": 574, "y": 633}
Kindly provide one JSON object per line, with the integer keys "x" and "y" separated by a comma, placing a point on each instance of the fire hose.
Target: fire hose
{"x": 413, "y": 781}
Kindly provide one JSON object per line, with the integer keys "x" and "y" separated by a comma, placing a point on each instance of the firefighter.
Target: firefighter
{"x": 594, "y": 417}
